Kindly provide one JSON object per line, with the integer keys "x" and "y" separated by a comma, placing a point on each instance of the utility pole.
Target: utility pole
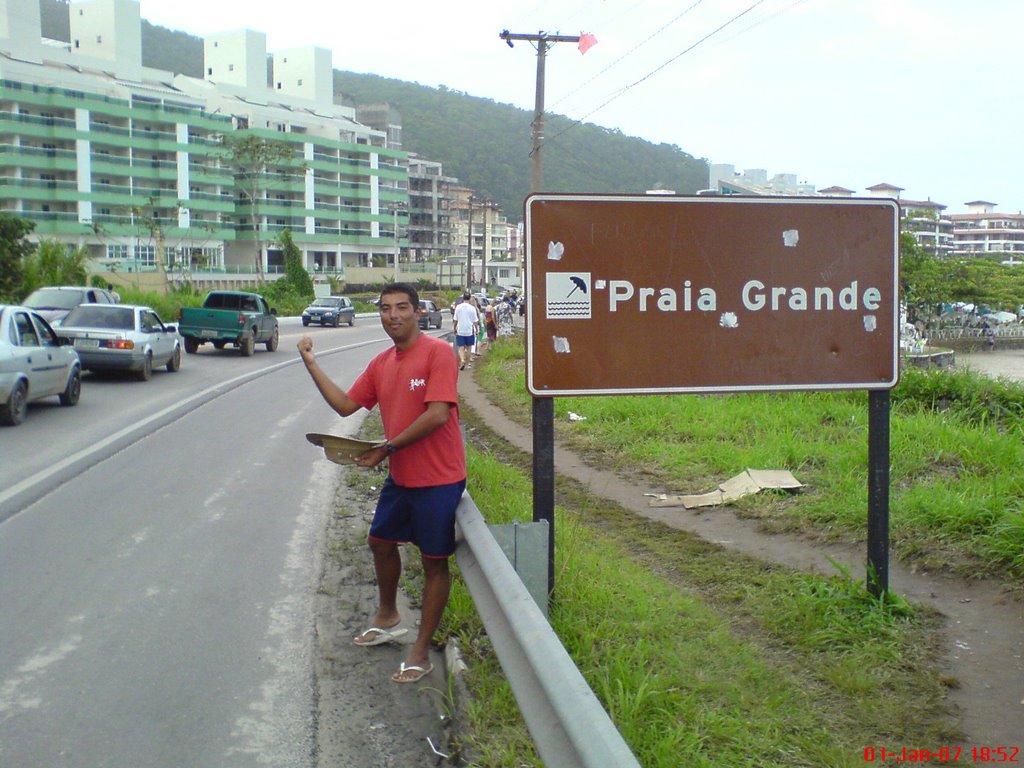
{"x": 469, "y": 247}
{"x": 543, "y": 407}
{"x": 543, "y": 41}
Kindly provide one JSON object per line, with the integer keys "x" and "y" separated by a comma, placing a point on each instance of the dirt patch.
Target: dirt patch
{"x": 362, "y": 717}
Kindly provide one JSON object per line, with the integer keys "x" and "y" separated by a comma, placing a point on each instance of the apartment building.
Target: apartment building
{"x": 926, "y": 220}
{"x": 981, "y": 230}
{"x": 483, "y": 236}
{"x": 431, "y": 228}
{"x": 128, "y": 161}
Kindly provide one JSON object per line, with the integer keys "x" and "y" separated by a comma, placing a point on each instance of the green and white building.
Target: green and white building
{"x": 129, "y": 162}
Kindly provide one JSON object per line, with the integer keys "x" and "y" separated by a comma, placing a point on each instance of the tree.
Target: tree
{"x": 14, "y": 250}
{"x": 252, "y": 159}
{"x": 53, "y": 263}
{"x": 294, "y": 271}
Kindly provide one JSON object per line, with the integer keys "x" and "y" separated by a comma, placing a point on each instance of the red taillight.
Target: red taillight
{"x": 241, "y": 319}
{"x": 117, "y": 344}
{"x": 180, "y": 313}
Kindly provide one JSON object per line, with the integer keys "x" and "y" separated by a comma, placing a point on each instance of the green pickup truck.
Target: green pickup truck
{"x": 230, "y": 317}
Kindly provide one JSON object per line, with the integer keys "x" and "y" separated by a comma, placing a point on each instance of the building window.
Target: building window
{"x": 146, "y": 254}
{"x": 117, "y": 252}
{"x": 231, "y": 67}
{"x": 209, "y": 70}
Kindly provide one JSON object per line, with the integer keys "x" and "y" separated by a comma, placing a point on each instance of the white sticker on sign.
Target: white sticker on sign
{"x": 568, "y": 296}
{"x": 555, "y": 251}
{"x": 561, "y": 345}
{"x": 790, "y": 238}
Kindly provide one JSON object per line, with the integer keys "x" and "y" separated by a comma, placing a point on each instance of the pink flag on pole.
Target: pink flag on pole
{"x": 587, "y": 42}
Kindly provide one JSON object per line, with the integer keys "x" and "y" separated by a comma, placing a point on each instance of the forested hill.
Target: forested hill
{"x": 482, "y": 142}
{"x": 487, "y": 145}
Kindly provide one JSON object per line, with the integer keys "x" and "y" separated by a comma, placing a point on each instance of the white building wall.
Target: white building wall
{"x": 237, "y": 58}
{"x": 109, "y": 30}
{"x": 20, "y": 29}
{"x": 83, "y": 163}
{"x": 305, "y": 73}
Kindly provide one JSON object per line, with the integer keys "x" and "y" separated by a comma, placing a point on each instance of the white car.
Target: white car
{"x": 34, "y": 363}
{"x": 122, "y": 337}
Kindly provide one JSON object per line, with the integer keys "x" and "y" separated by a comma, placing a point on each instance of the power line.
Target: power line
{"x": 653, "y": 72}
{"x": 628, "y": 53}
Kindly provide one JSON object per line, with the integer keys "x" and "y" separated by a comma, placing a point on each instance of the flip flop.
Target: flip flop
{"x": 411, "y": 673}
{"x": 380, "y": 637}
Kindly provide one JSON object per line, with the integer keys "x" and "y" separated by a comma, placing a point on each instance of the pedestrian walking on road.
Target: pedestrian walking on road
{"x": 467, "y": 320}
{"x": 503, "y": 317}
{"x": 415, "y": 382}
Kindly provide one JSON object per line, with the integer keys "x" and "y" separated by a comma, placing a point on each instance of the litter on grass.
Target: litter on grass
{"x": 748, "y": 482}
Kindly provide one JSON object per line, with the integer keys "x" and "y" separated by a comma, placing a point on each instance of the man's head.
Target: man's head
{"x": 465, "y": 296}
{"x": 399, "y": 313}
{"x": 408, "y": 290}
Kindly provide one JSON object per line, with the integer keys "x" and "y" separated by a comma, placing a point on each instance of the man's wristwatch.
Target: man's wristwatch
{"x": 390, "y": 448}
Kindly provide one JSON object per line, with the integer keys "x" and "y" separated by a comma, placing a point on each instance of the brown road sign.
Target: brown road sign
{"x": 658, "y": 294}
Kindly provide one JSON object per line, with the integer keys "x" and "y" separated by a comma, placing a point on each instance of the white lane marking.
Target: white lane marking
{"x": 140, "y": 426}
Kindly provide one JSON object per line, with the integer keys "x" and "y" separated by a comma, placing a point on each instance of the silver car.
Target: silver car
{"x": 34, "y": 363}
{"x": 122, "y": 337}
{"x": 54, "y": 302}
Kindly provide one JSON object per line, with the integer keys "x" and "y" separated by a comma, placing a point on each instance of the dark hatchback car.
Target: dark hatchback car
{"x": 429, "y": 314}
{"x": 54, "y": 302}
{"x": 330, "y": 310}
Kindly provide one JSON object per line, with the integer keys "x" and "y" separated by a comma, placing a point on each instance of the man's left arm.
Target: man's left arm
{"x": 434, "y": 417}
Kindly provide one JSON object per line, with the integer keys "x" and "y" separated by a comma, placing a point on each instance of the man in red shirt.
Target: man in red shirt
{"x": 416, "y": 384}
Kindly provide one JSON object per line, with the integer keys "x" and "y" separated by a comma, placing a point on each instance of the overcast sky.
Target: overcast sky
{"x": 923, "y": 94}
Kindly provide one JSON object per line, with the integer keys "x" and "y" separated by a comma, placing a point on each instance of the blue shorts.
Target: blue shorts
{"x": 465, "y": 341}
{"x": 424, "y": 516}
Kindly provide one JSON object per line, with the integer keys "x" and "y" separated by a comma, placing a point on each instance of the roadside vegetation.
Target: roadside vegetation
{"x": 708, "y": 658}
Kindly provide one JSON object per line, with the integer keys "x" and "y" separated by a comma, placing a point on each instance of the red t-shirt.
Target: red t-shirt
{"x": 403, "y": 382}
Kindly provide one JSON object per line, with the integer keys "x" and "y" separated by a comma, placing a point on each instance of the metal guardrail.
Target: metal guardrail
{"x": 567, "y": 722}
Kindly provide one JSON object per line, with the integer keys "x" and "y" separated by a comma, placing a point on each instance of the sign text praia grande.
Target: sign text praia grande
{"x": 649, "y": 294}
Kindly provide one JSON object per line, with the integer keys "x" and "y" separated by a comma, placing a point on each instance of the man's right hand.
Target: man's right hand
{"x": 305, "y": 346}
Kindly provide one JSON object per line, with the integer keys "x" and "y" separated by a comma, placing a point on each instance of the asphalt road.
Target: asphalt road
{"x": 157, "y": 592}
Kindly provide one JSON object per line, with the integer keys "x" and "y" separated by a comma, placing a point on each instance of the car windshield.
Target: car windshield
{"x": 52, "y": 298}
{"x": 93, "y": 316}
{"x": 327, "y": 303}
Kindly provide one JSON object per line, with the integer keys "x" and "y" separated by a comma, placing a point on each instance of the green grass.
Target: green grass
{"x": 703, "y": 657}
{"x": 957, "y": 457}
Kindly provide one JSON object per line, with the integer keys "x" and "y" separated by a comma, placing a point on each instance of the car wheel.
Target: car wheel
{"x": 305, "y": 321}
{"x": 145, "y": 373}
{"x": 73, "y": 390}
{"x": 247, "y": 346}
{"x": 351, "y": 319}
{"x": 191, "y": 345}
{"x": 175, "y": 362}
{"x": 14, "y": 412}
{"x": 275, "y": 338}
{"x": 337, "y": 320}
